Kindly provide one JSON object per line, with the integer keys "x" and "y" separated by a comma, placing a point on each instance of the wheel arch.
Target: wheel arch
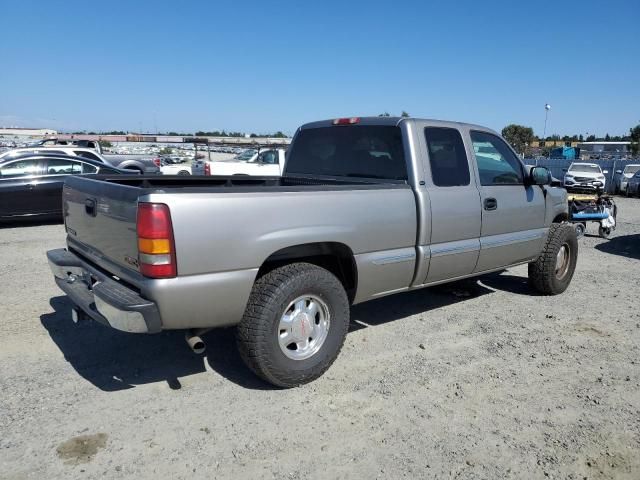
{"x": 561, "y": 217}
{"x": 335, "y": 257}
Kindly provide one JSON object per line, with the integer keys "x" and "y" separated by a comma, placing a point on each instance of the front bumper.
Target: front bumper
{"x": 101, "y": 297}
{"x": 596, "y": 184}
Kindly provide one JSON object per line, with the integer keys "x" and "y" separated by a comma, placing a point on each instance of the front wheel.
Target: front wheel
{"x": 295, "y": 324}
{"x": 553, "y": 270}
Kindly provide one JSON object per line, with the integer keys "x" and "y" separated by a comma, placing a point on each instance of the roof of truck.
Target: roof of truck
{"x": 394, "y": 121}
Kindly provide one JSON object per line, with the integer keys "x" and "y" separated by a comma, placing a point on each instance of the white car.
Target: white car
{"x": 584, "y": 176}
{"x": 252, "y": 162}
{"x": 173, "y": 167}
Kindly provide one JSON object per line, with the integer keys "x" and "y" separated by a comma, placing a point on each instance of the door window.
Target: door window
{"x": 63, "y": 167}
{"x": 269, "y": 157}
{"x": 447, "y": 157}
{"x": 497, "y": 164}
{"x": 19, "y": 168}
{"x": 88, "y": 168}
{"x": 88, "y": 155}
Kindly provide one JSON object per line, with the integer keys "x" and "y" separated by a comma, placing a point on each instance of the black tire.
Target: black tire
{"x": 604, "y": 232}
{"x": 543, "y": 274}
{"x": 184, "y": 172}
{"x": 581, "y": 228}
{"x": 257, "y": 334}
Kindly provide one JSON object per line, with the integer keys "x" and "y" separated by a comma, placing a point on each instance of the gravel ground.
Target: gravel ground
{"x": 480, "y": 379}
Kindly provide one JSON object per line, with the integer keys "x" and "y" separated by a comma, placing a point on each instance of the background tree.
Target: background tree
{"x": 634, "y": 133}
{"x": 404, "y": 114}
{"x": 591, "y": 138}
{"x": 385, "y": 114}
{"x": 105, "y": 144}
{"x": 518, "y": 136}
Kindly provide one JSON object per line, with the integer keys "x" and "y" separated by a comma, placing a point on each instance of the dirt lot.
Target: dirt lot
{"x": 481, "y": 379}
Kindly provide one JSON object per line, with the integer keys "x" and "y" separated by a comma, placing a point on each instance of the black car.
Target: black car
{"x": 31, "y": 185}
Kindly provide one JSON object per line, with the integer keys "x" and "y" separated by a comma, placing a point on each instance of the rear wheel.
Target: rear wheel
{"x": 604, "y": 232}
{"x": 294, "y": 325}
{"x": 552, "y": 272}
{"x": 581, "y": 228}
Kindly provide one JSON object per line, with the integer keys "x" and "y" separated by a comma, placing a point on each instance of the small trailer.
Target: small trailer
{"x": 596, "y": 207}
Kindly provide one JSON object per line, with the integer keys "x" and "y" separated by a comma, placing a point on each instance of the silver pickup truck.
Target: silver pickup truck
{"x": 367, "y": 207}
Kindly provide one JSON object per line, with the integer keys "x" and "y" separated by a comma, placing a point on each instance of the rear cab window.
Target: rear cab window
{"x": 364, "y": 151}
{"x": 447, "y": 157}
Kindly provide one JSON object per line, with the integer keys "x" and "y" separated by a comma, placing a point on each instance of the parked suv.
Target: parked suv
{"x": 580, "y": 176}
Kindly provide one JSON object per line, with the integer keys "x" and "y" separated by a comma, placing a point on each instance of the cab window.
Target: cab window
{"x": 447, "y": 157}
{"x": 269, "y": 157}
{"x": 497, "y": 164}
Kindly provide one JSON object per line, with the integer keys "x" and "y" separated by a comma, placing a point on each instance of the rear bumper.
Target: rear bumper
{"x": 101, "y": 297}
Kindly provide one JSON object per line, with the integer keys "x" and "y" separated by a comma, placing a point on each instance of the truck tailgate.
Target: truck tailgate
{"x": 100, "y": 219}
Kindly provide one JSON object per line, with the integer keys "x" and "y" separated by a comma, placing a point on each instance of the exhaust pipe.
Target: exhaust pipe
{"x": 196, "y": 344}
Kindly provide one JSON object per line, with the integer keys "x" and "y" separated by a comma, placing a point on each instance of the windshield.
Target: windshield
{"x": 368, "y": 151}
{"x": 245, "y": 156}
{"x": 631, "y": 169}
{"x": 585, "y": 168}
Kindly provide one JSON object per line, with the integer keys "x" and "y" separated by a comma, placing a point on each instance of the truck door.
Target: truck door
{"x": 455, "y": 206}
{"x": 267, "y": 162}
{"x": 512, "y": 213}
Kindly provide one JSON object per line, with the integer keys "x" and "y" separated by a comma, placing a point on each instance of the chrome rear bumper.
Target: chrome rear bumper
{"x": 101, "y": 297}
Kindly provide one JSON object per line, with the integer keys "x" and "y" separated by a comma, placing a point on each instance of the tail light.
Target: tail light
{"x": 157, "y": 161}
{"x": 156, "y": 248}
{"x": 207, "y": 168}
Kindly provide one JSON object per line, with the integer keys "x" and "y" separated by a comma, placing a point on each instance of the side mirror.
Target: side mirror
{"x": 618, "y": 172}
{"x": 605, "y": 171}
{"x": 539, "y": 176}
{"x": 564, "y": 169}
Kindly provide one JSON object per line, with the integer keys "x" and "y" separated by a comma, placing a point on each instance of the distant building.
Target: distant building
{"x": 27, "y": 132}
{"x": 604, "y": 149}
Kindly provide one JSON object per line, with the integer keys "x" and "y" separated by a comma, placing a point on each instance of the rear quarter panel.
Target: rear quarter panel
{"x": 238, "y": 231}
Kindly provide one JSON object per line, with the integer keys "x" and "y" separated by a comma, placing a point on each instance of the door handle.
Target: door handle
{"x": 90, "y": 207}
{"x": 490, "y": 204}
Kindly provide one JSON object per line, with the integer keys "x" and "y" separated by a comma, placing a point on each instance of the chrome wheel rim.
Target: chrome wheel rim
{"x": 562, "y": 261}
{"x": 303, "y": 327}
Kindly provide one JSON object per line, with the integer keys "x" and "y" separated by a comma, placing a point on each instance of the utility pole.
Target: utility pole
{"x": 547, "y": 107}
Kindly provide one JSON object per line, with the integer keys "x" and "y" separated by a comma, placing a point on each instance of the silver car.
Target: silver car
{"x": 623, "y": 176}
{"x": 633, "y": 185}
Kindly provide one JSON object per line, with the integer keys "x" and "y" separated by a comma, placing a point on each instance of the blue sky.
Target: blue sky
{"x": 266, "y": 66}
